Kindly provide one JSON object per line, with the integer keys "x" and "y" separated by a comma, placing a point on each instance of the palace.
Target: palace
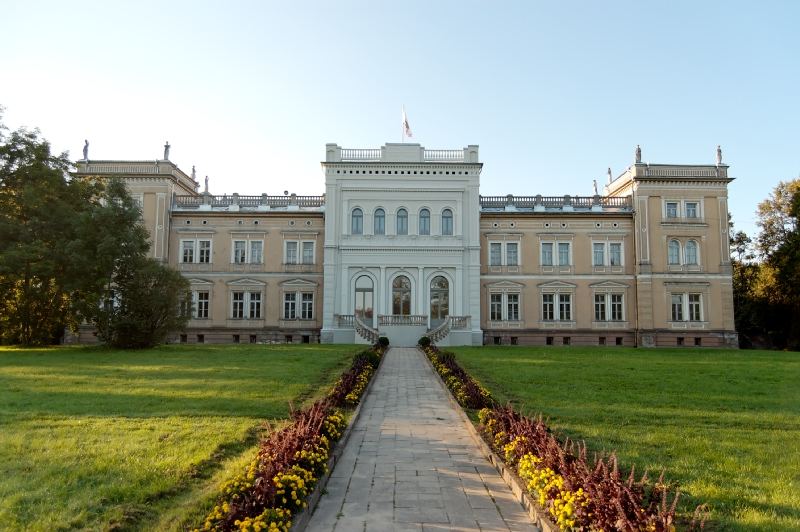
{"x": 403, "y": 245}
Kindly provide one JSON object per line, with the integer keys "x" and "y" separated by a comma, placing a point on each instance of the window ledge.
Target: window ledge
{"x": 688, "y": 324}
{"x": 610, "y": 324}
{"x": 557, "y": 324}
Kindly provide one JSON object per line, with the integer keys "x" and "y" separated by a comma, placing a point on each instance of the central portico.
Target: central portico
{"x": 402, "y": 248}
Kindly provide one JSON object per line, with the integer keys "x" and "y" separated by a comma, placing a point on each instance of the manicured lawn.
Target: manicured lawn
{"x": 93, "y": 438}
{"x": 724, "y": 424}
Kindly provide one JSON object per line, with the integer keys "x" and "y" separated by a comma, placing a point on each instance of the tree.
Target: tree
{"x": 69, "y": 244}
{"x": 143, "y": 305}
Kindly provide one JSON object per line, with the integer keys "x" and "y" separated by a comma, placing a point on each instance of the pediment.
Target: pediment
{"x": 298, "y": 283}
{"x": 246, "y": 282}
{"x": 196, "y": 281}
{"x": 505, "y": 284}
{"x": 557, "y": 284}
{"x": 609, "y": 284}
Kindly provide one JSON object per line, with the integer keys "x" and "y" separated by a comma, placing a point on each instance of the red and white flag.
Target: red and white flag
{"x": 406, "y": 127}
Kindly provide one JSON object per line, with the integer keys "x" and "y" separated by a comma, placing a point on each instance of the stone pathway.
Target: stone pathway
{"x": 411, "y": 464}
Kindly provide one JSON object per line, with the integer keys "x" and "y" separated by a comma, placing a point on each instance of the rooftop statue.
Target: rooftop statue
{"x": 86, "y": 150}
{"x": 594, "y": 185}
{"x": 719, "y": 154}
{"x": 166, "y": 151}
{"x": 638, "y": 154}
{"x": 609, "y": 175}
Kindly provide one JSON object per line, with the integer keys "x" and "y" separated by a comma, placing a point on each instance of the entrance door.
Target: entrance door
{"x": 440, "y": 301}
{"x": 364, "y": 300}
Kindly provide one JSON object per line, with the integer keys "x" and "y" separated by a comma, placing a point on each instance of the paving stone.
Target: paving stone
{"x": 411, "y": 465}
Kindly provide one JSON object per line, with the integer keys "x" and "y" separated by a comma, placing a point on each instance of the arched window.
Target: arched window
{"x": 380, "y": 222}
{"x": 357, "y": 222}
{"x": 402, "y": 222}
{"x": 691, "y": 252}
{"x": 364, "y": 298}
{"x": 447, "y": 222}
{"x": 440, "y": 300}
{"x": 674, "y": 252}
{"x": 424, "y": 222}
{"x": 401, "y": 296}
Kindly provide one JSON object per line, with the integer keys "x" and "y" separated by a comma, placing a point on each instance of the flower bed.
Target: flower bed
{"x": 576, "y": 493}
{"x": 274, "y": 486}
{"x": 464, "y": 388}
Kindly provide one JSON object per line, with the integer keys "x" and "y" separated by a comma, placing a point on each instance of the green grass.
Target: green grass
{"x": 94, "y": 439}
{"x": 724, "y": 424}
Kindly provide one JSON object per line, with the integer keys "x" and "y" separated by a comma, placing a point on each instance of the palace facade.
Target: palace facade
{"x": 402, "y": 244}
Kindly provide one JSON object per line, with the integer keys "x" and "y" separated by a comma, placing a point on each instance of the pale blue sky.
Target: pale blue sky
{"x": 553, "y": 93}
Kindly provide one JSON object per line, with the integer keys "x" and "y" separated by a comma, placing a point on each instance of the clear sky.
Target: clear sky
{"x": 554, "y": 93}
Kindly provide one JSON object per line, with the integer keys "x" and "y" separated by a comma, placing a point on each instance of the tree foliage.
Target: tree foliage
{"x": 767, "y": 291}
{"x": 66, "y": 244}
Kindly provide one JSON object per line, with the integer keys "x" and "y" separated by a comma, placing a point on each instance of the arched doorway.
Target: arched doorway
{"x": 364, "y": 300}
{"x": 401, "y": 296}
{"x": 440, "y": 300}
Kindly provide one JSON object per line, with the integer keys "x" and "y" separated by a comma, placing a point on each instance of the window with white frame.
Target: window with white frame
{"x": 379, "y": 222}
{"x": 307, "y": 306}
{"x": 200, "y": 303}
{"x": 447, "y": 222}
{"x": 606, "y": 254}
{"x": 556, "y": 253}
{"x": 245, "y": 304}
{"x": 688, "y": 210}
{"x": 247, "y": 251}
{"x": 197, "y": 251}
{"x": 674, "y": 252}
{"x": 357, "y": 222}
{"x": 512, "y": 254}
{"x": 504, "y": 306}
{"x": 547, "y": 254}
{"x": 608, "y": 307}
{"x": 424, "y": 222}
{"x": 495, "y": 254}
{"x": 299, "y": 252}
{"x": 256, "y": 251}
{"x": 691, "y": 252}
{"x": 298, "y": 305}
{"x": 686, "y": 307}
{"x": 679, "y": 253}
{"x": 503, "y": 253}
{"x": 557, "y": 307}
{"x": 402, "y": 222}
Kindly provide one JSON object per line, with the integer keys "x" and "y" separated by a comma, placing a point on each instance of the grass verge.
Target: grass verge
{"x": 724, "y": 424}
{"x": 97, "y": 438}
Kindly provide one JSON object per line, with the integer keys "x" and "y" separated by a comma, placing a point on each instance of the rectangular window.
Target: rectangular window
{"x": 255, "y": 305}
{"x": 239, "y": 251}
{"x": 307, "y": 307}
{"x": 513, "y": 307}
{"x": 672, "y": 209}
{"x": 616, "y": 307}
{"x": 187, "y": 251}
{"x": 496, "y": 307}
{"x": 291, "y": 253}
{"x": 308, "y": 253}
{"x": 694, "y": 307}
{"x": 563, "y": 253}
{"x": 677, "y": 307}
{"x": 565, "y": 307}
{"x": 495, "y": 255}
{"x": 599, "y": 307}
{"x": 204, "y": 251}
{"x": 238, "y": 305}
{"x": 512, "y": 254}
{"x": 598, "y": 254}
{"x": 691, "y": 209}
{"x": 615, "y": 254}
{"x": 256, "y": 251}
{"x": 547, "y": 254}
{"x": 425, "y": 224}
{"x": 548, "y": 311}
{"x": 289, "y": 306}
{"x": 200, "y": 305}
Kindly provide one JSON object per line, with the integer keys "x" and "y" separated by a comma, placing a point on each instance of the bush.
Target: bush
{"x": 383, "y": 342}
{"x": 424, "y": 341}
